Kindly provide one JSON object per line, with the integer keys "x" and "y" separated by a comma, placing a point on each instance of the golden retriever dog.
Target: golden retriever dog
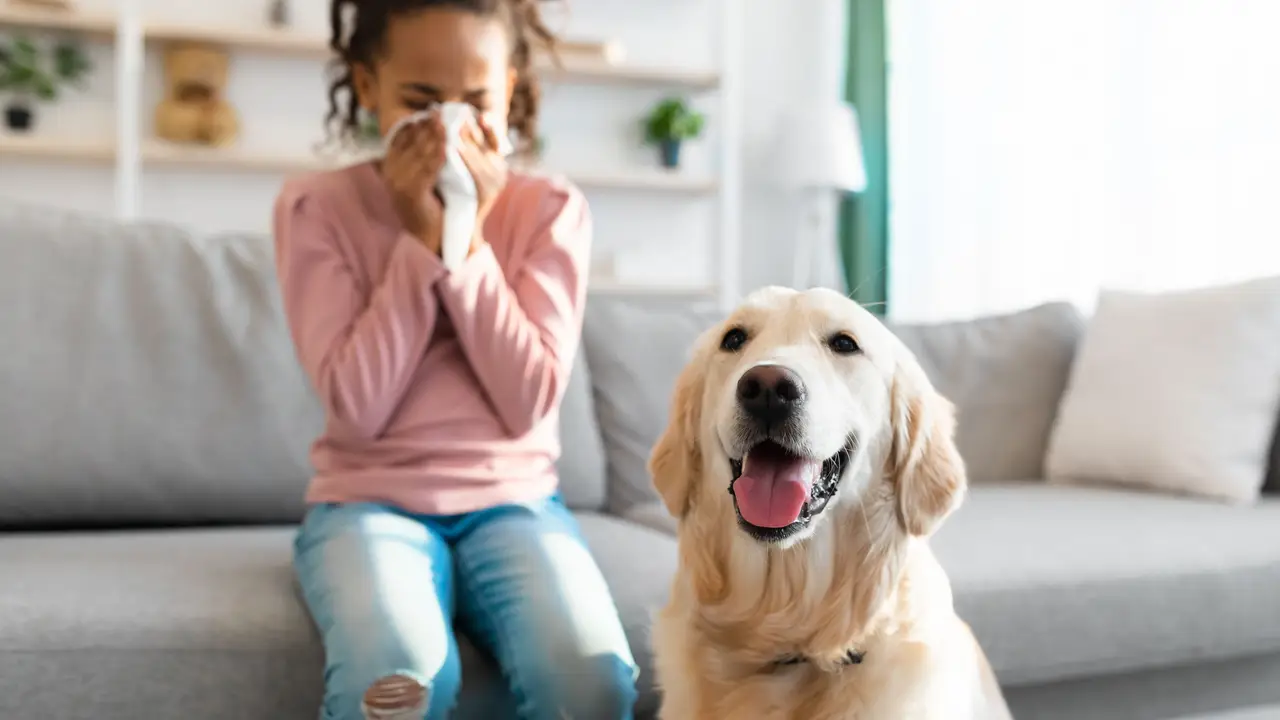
{"x": 807, "y": 459}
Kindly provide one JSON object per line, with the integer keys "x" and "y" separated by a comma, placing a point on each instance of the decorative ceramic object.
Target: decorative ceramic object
{"x": 195, "y": 109}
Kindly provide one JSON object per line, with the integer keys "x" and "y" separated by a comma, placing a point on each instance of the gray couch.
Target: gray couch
{"x": 153, "y": 442}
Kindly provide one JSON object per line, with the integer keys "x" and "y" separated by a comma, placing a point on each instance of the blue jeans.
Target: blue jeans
{"x": 383, "y": 586}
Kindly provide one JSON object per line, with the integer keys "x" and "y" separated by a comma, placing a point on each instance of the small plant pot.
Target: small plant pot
{"x": 670, "y": 154}
{"x": 278, "y": 14}
{"x": 18, "y": 117}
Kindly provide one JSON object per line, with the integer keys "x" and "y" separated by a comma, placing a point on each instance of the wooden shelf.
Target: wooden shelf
{"x": 36, "y": 147}
{"x": 58, "y": 20}
{"x": 160, "y": 154}
{"x": 647, "y": 180}
{"x": 610, "y": 52}
{"x": 283, "y": 42}
{"x": 582, "y": 61}
{"x": 289, "y": 42}
{"x": 601, "y": 74}
{"x": 165, "y": 154}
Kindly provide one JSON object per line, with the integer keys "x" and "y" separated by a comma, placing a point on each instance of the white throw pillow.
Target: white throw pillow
{"x": 1175, "y": 391}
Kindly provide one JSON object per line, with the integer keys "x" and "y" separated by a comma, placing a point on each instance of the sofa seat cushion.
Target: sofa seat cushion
{"x": 192, "y": 624}
{"x": 1075, "y": 582}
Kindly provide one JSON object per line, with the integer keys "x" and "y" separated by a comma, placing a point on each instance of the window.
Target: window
{"x": 1043, "y": 149}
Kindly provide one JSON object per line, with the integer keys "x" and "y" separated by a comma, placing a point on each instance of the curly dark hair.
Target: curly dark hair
{"x": 358, "y": 40}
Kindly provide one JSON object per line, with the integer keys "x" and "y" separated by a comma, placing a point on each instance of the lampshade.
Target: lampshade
{"x": 820, "y": 147}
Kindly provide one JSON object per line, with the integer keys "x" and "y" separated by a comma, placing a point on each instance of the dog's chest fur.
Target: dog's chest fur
{"x": 898, "y": 679}
{"x": 914, "y": 664}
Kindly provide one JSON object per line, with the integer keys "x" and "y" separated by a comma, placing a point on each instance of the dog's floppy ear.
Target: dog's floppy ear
{"x": 676, "y": 459}
{"x": 924, "y": 464}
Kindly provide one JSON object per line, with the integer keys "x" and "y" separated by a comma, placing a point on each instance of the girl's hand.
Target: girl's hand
{"x": 479, "y": 151}
{"x": 410, "y": 169}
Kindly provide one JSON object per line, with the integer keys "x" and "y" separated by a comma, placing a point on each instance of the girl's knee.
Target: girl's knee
{"x": 397, "y": 696}
{"x": 443, "y": 689}
{"x": 597, "y": 688}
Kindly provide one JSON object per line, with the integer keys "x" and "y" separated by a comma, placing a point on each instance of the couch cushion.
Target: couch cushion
{"x": 636, "y": 349}
{"x": 1005, "y": 374}
{"x": 1273, "y": 475}
{"x": 653, "y": 515}
{"x": 1145, "y": 408}
{"x": 194, "y": 624}
{"x": 147, "y": 377}
{"x": 1161, "y": 694}
{"x": 151, "y": 380}
{"x": 581, "y": 464}
{"x": 1063, "y": 582}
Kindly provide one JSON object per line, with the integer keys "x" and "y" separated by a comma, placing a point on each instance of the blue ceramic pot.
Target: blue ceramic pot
{"x": 670, "y": 153}
{"x": 18, "y": 118}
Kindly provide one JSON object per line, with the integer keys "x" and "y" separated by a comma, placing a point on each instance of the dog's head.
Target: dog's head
{"x": 800, "y": 406}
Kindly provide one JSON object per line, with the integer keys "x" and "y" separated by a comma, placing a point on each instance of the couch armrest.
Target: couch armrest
{"x": 652, "y": 515}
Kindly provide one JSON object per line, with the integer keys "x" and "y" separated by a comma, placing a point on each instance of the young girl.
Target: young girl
{"x": 435, "y": 497}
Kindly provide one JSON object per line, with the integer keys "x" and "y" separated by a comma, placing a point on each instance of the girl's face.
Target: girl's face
{"x": 439, "y": 55}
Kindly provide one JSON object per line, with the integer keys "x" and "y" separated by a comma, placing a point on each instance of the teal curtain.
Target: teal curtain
{"x": 864, "y": 218}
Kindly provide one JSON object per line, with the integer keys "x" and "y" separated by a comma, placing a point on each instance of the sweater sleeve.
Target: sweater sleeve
{"x": 520, "y": 337}
{"x": 359, "y": 351}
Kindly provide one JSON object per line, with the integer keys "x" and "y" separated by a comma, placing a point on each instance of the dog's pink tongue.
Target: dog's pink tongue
{"x": 773, "y": 487}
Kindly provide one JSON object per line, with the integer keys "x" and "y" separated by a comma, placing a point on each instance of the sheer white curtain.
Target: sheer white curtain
{"x": 1044, "y": 149}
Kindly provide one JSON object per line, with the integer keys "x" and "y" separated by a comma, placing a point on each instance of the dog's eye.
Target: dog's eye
{"x": 733, "y": 340}
{"x": 843, "y": 344}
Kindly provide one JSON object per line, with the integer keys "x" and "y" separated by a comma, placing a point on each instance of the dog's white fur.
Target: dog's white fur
{"x": 861, "y": 576}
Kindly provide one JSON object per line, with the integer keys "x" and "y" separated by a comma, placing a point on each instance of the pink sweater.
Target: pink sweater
{"x": 441, "y": 389}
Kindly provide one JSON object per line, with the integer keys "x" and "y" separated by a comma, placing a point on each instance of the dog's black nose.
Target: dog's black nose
{"x": 770, "y": 393}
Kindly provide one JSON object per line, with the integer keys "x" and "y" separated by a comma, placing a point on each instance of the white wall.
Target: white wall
{"x": 791, "y": 57}
{"x": 795, "y": 58}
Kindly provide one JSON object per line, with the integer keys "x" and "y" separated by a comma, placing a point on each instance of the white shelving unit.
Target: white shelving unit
{"x": 582, "y": 63}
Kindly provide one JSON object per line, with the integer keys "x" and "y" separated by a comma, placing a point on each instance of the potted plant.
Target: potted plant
{"x": 278, "y": 14}
{"x": 26, "y": 79}
{"x": 669, "y": 124}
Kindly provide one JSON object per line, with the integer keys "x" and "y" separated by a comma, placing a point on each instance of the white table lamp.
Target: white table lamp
{"x": 820, "y": 154}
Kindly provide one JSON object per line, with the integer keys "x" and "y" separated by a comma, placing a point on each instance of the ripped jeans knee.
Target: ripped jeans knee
{"x": 395, "y": 697}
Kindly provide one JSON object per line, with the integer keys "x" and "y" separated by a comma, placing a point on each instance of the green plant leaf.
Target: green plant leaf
{"x": 71, "y": 62}
{"x": 25, "y": 52}
{"x": 45, "y": 89}
{"x": 672, "y": 119}
{"x": 25, "y": 70}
